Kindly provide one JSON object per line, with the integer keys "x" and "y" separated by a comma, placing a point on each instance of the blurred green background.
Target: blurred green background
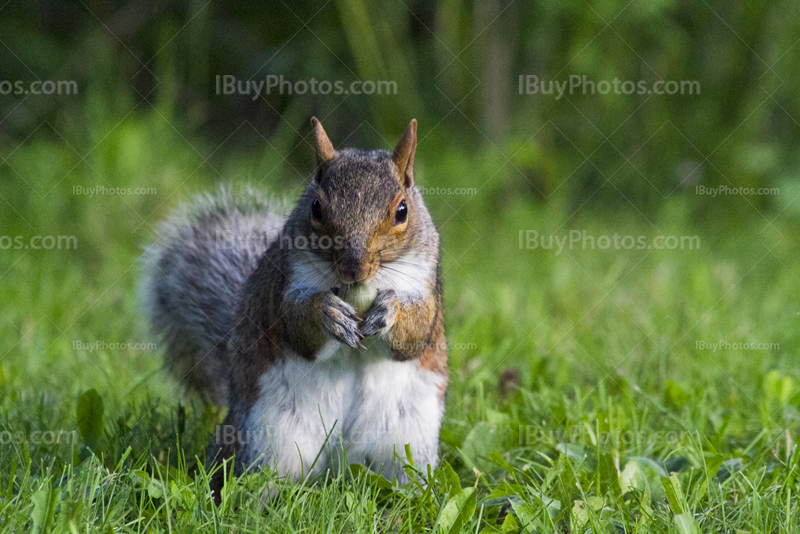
{"x": 457, "y": 68}
{"x": 591, "y": 337}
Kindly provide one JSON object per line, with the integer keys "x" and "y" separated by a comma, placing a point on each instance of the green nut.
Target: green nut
{"x": 360, "y": 296}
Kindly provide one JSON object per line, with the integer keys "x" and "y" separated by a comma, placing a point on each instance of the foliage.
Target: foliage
{"x": 457, "y": 67}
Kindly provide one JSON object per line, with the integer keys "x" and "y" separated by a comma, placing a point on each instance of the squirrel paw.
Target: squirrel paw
{"x": 339, "y": 320}
{"x": 381, "y": 316}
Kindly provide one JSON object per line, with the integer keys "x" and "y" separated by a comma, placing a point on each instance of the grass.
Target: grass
{"x": 579, "y": 381}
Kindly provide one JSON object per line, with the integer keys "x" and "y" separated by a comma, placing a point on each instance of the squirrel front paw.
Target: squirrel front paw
{"x": 381, "y": 316}
{"x": 339, "y": 320}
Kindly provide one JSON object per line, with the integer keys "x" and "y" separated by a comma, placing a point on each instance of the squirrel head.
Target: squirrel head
{"x": 362, "y": 206}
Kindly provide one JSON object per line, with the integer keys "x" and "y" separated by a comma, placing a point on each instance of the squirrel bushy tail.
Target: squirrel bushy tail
{"x": 194, "y": 273}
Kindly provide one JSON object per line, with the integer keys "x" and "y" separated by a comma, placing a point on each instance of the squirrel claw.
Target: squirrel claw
{"x": 381, "y": 316}
{"x": 340, "y": 321}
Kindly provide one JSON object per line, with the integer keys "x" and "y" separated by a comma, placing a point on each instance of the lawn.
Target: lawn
{"x": 600, "y": 385}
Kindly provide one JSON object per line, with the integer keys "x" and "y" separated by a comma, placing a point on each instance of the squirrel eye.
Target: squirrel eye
{"x": 316, "y": 210}
{"x": 401, "y": 214}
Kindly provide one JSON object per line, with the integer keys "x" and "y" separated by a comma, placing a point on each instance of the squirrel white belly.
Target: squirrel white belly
{"x": 356, "y": 402}
{"x": 253, "y": 311}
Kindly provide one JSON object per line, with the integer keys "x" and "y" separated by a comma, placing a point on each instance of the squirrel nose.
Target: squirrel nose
{"x": 355, "y": 274}
{"x": 354, "y": 265}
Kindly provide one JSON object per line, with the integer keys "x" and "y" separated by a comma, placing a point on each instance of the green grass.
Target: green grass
{"x": 613, "y": 392}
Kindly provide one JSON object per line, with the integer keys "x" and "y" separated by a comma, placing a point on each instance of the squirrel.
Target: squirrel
{"x": 252, "y": 307}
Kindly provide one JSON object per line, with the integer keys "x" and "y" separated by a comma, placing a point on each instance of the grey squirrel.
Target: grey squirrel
{"x": 253, "y": 310}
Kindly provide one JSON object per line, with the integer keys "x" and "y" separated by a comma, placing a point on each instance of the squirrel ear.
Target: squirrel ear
{"x": 325, "y": 152}
{"x": 404, "y": 154}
